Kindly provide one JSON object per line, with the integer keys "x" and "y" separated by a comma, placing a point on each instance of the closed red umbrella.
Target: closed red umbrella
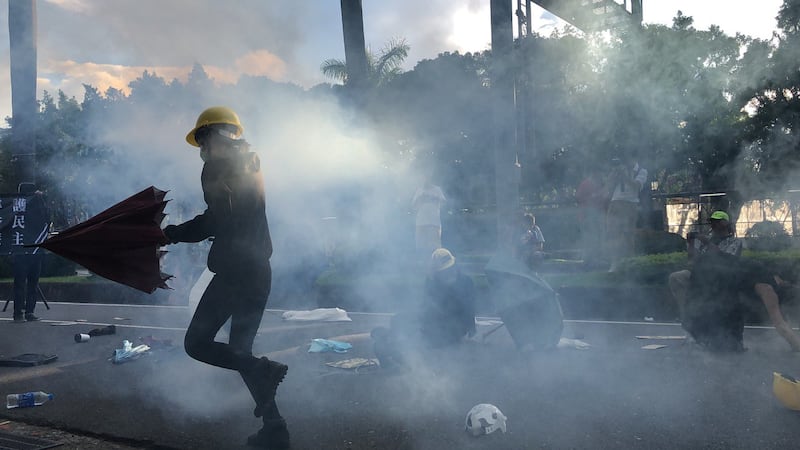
{"x": 121, "y": 243}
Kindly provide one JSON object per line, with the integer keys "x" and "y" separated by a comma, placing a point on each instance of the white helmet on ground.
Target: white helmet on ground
{"x": 485, "y": 419}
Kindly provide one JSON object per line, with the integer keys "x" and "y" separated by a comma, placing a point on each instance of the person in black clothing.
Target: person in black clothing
{"x": 449, "y": 313}
{"x": 27, "y": 265}
{"x": 445, "y": 317}
{"x": 233, "y": 189}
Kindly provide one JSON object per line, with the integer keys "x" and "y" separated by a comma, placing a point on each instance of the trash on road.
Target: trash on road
{"x": 27, "y": 399}
{"x": 321, "y": 314}
{"x": 27, "y": 360}
{"x": 485, "y": 418}
{"x": 156, "y": 343}
{"x": 648, "y": 319}
{"x": 354, "y": 363}
{"x": 128, "y": 352}
{"x": 653, "y": 346}
{"x": 661, "y": 337}
{"x": 573, "y": 343}
{"x": 487, "y": 322}
{"x": 121, "y": 318}
{"x": 787, "y": 390}
{"x": 103, "y": 331}
{"x": 327, "y": 345}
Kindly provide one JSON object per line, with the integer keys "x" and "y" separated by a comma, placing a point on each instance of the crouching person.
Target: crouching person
{"x": 445, "y": 317}
{"x": 709, "y": 296}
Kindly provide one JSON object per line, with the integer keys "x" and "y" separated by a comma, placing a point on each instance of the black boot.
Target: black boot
{"x": 262, "y": 379}
{"x": 273, "y": 435}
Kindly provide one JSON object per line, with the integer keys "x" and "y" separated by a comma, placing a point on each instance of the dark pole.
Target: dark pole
{"x": 502, "y": 77}
{"x": 636, "y": 11}
{"x": 22, "y": 39}
{"x": 355, "y": 49}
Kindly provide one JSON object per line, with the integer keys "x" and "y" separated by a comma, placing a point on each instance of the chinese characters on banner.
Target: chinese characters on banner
{"x": 23, "y": 221}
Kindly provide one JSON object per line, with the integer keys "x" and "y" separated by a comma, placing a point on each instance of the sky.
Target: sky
{"x": 108, "y": 43}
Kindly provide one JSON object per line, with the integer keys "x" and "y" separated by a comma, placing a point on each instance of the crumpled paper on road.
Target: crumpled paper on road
{"x": 573, "y": 343}
{"x": 354, "y": 363}
{"x": 322, "y": 314}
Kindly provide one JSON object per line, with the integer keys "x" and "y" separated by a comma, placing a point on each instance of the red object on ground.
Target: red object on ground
{"x": 121, "y": 243}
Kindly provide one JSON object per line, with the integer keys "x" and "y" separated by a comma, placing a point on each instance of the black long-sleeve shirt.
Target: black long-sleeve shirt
{"x": 235, "y": 216}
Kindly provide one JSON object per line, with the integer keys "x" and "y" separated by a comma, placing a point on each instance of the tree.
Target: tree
{"x": 773, "y": 130}
{"x": 22, "y": 39}
{"x": 381, "y": 68}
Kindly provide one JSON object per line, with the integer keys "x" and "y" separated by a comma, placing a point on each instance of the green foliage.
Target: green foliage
{"x": 381, "y": 68}
{"x": 52, "y": 266}
{"x": 650, "y": 242}
{"x": 768, "y": 236}
{"x": 655, "y": 269}
{"x": 785, "y": 263}
{"x": 678, "y": 91}
{"x": 649, "y": 269}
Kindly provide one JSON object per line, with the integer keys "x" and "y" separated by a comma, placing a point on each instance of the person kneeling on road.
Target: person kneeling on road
{"x": 444, "y": 319}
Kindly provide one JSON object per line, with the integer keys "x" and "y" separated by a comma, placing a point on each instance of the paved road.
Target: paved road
{"x": 613, "y": 395}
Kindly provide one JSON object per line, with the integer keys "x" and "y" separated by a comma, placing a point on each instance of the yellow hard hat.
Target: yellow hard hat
{"x": 787, "y": 390}
{"x": 212, "y": 116}
{"x": 442, "y": 259}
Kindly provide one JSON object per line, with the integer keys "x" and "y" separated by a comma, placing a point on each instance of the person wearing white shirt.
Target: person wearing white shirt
{"x": 427, "y": 203}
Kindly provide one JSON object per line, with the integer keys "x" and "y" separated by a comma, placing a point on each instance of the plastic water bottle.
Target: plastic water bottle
{"x": 27, "y": 399}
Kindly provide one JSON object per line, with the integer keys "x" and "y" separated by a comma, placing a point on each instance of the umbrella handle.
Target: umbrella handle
{"x": 485, "y": 335}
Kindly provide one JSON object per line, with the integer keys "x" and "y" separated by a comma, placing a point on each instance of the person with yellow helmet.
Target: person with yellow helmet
{"x": 443, "y": 319}
{"x": 233, "y": 189}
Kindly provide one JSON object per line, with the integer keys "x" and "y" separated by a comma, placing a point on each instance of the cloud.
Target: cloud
{"x": 471, "y": 29}
{"x": 80, "y": 6}
{"x": 69, "y": 75}
{"x": 262, "y": 63}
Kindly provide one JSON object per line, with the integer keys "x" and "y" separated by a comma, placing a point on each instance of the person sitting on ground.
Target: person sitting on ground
{"x": 719, "y": 240}
{"x": 446, "y": 316}
{"x": 720, "y": 274}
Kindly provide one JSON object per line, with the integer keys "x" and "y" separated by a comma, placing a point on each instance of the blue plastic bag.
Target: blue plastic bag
{"x": 327, "y": 345}
{"x": 128, "y": 352}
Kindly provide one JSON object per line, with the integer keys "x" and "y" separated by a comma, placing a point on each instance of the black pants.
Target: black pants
{"x": 27, "y": 269}
{"x": 240, "y": 298}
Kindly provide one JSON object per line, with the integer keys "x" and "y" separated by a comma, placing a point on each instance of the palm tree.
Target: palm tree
{"x": 22, "y": 40}
{"x": 380, "y": 69}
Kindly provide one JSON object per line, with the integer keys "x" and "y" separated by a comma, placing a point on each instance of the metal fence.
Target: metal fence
{"x": 683, "y": 214}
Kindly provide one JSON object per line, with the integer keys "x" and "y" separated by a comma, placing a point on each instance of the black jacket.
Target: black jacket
{"x": 233, "y": 189}
{"x": 449, "y": 313}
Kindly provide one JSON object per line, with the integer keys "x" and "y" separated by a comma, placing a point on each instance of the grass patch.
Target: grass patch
{"x": 65, "y": 279}
{"x": 582, "y": 279}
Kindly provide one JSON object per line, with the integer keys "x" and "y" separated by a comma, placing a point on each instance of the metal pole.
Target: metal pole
{"x": 502, "y": 78}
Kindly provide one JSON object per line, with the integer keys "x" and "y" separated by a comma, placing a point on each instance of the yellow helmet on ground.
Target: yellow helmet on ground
{"x": 787, "y": 390}
{"x": 212, "y": 116}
